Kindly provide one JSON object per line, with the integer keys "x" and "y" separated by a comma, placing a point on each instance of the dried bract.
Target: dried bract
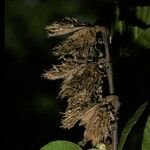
{"x": 80, "y": 45}
{"x": 99, "y": 121}
{"x": 67, "y": 25}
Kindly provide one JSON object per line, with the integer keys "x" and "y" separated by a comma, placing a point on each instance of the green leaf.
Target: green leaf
{"x": 61, "y": 145}
{"x": 132, "y": 121}
{"x": 142, "y": 36}
{"x": 146, "y": 136}
{"x": 134, "y": 38}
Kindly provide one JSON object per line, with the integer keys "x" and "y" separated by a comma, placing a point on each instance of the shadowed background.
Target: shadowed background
{"x": 32, "y": 117}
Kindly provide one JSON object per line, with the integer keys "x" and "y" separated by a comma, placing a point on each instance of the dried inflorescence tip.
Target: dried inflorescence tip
{"x": 64, "y": 70}
{"x": 82, "y": 69}
{"x": 81, "y": 45}
{"x": 99, "y": 121}
{"x": 73, "y": 114}
{"x": 67, "y": 25}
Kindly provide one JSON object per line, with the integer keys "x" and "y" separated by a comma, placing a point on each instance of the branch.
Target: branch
{"x": 105, "y": 36}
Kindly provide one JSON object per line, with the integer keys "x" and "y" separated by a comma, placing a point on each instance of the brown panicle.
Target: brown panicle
{"x": 82, "y": 70}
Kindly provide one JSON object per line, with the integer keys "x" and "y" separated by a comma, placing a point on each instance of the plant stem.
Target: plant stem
{"x": 110, "y": 82}
{"x": 108, "y": 60}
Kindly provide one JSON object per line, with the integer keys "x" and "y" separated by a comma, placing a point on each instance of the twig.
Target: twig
{"x": 110, "y": 82}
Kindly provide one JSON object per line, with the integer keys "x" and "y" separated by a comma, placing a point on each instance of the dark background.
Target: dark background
{"x": 31, "y": 114}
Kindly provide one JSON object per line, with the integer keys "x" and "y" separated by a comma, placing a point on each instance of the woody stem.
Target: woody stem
{"x": 110, "y": 82}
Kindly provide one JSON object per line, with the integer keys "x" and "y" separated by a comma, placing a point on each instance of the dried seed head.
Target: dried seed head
{"x": 67, "y": 25}
{"x": 73, "y": 115}
{"x": 82, "y": 69}
{"x": 64, "y": 70}
{"x": 85, "y": 80}
{"x": 79, "y": 45}
{"x": 97, "y": 125}
{"x": 99, "y": 122}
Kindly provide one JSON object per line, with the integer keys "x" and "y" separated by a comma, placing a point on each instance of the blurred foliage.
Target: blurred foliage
{"x": 134, "y": 31}
{"x": 32, "y": 116}
{"x": 141, "y": 35}
{"x": 132, "y": 121}
{"x": 61, "y": 145}
{"x": 146, "y": 139}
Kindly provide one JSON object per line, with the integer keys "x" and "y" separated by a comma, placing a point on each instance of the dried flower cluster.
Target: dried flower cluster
{"x": 82, "y": 69}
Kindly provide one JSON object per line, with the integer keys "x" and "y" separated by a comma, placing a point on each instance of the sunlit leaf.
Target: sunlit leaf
{"x": 146, "y": 136}
{"x": 61, "y": 145}
{"x": 132, "y": 121}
